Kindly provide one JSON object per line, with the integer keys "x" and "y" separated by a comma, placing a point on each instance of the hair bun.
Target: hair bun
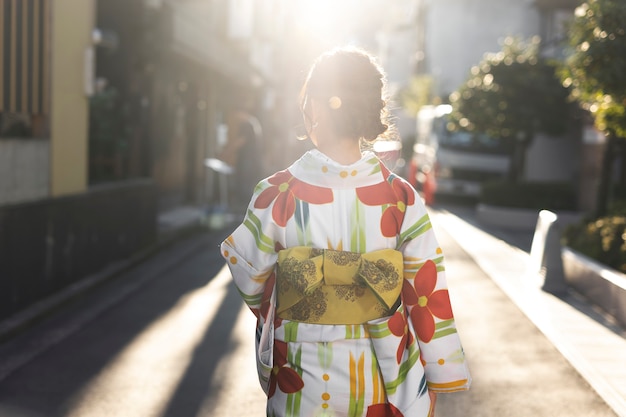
{"x": 352, "y": 83}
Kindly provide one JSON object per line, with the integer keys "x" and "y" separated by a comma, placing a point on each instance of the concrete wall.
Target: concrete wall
{"x": 49, "y": 244}
{"x": 553, "y": 159}
{"x": 601, "y": 285}
{"x": 460, "y": 32}
{"x": 72, "y": 25}
{"x": 24, "y": 170}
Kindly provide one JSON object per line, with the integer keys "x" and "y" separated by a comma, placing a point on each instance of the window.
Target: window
{"x": 24, "y": 68}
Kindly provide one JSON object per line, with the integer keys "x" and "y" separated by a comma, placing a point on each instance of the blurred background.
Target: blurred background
{"x": 116, "y": 112}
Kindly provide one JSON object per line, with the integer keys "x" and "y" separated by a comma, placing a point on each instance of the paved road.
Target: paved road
{"x": 171, "y": 338}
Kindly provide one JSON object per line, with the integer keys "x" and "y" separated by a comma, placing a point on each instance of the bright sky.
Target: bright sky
{"x": 324, "y": 18}
{"x": 330, "y": 22}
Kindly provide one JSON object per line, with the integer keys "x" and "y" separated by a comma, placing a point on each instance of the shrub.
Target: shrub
{"x": 603, "y": 240}
{"x": 530, "y": 195}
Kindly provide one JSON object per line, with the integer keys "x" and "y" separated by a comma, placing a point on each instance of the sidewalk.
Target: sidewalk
{"x": 596, "y": 350}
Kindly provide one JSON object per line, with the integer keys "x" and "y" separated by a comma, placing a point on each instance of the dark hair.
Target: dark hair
{"x": 352, "y": 84}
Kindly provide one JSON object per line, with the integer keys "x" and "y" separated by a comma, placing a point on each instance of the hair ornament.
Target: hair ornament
{"x": 334, "y": 102}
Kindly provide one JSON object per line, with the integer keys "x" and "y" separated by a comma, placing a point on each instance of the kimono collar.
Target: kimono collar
{"x": 318, "y": 169}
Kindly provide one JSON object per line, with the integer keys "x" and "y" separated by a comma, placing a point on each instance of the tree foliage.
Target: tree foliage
{"x": 596, "y": 71}
{"x": 416, "y": 94}
{"x": 596, "y": 66}
{"x": 513, "y": 93}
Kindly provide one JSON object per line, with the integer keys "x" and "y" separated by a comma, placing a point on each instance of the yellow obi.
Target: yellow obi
{"x": 326, "y": 286}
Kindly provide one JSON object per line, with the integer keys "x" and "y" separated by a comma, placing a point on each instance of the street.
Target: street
{"x": 171, "y": 337}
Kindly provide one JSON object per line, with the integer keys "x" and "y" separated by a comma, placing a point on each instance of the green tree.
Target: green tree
{"x": 511, "y": 96}
{"x": 596, "y": 71}
{"x": 416, "y": 94}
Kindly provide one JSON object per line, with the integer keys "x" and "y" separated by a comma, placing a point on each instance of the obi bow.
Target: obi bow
{"x": 326, "y": 286}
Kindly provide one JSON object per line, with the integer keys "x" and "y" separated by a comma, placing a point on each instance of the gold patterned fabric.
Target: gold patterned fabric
{"x": 326, "y": 286}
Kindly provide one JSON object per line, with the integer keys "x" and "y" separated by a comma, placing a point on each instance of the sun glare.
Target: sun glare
{"x": 328, "y": 21}
{"x": 316, "y": 13}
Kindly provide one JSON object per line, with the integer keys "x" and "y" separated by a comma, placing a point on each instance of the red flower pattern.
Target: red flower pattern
{"x": 286, "y": 378}
{"x": 285, "y": 189}
{"x": 398, "y": 327}
{"x": 267, "y": 295}
{"x": 425, "y": 303}
{"x": 383, "y": 410}
{"x": 396, "y": 195}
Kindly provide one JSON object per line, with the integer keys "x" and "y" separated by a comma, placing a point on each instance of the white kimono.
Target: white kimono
{"x": 383, "y": 367}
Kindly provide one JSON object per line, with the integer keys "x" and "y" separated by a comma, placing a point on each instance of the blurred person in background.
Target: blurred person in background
{"x": 244, "y": 153}
{"x": 338, "y": 260}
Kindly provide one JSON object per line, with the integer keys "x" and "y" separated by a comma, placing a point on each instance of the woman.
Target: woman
{"x": 338, "y": 260}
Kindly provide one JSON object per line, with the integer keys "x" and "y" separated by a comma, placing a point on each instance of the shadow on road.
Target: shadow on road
{"x": 99, "y": 329}
{"x": 196, "y": 383}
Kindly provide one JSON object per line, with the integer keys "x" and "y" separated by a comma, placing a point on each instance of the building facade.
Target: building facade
{"x": 108, "y": 110}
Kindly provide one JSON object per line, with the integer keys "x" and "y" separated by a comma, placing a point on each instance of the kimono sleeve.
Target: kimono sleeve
{"x": 250, "y": 253}
{"x": 426, "y": 297}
